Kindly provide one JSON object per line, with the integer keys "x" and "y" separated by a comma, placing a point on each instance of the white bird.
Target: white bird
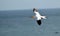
{"x": 38, "y": 16}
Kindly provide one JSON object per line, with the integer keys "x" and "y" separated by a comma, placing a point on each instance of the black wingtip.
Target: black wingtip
{"x": 39, "y": 22}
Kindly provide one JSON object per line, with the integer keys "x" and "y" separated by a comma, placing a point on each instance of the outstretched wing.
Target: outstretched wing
{"x": 39, "y": 22}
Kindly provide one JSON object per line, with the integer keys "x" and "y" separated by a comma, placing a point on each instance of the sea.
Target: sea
{"x": 21, "y": 23}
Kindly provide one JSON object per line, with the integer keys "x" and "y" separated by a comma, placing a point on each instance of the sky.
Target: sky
{"x": 28, "y": 4}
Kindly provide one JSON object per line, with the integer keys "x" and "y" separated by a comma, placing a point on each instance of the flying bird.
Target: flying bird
{"x": 38, "y": 16}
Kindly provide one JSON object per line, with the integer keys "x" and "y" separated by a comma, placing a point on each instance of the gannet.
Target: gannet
{"x": 38, "y": 16}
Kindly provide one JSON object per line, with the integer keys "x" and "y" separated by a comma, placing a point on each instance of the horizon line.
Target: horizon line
{"x": 28, "y": 9}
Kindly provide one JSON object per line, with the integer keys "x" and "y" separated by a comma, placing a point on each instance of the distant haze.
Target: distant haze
{"x": 28, "y": 4}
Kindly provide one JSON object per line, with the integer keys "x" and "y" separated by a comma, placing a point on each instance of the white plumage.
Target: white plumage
{"x": 38, "y": 16}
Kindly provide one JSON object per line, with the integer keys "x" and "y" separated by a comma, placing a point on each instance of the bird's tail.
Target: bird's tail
{"x": 43, "y": 17}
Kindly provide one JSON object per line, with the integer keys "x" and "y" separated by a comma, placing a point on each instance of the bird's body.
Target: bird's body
{"x": 37, "y": 15}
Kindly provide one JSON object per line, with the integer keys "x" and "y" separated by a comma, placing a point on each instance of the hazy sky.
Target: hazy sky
{"x": 28, "y": 4}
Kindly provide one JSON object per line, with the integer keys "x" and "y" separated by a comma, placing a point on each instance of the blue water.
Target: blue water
{"x": 20, "y": 23}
